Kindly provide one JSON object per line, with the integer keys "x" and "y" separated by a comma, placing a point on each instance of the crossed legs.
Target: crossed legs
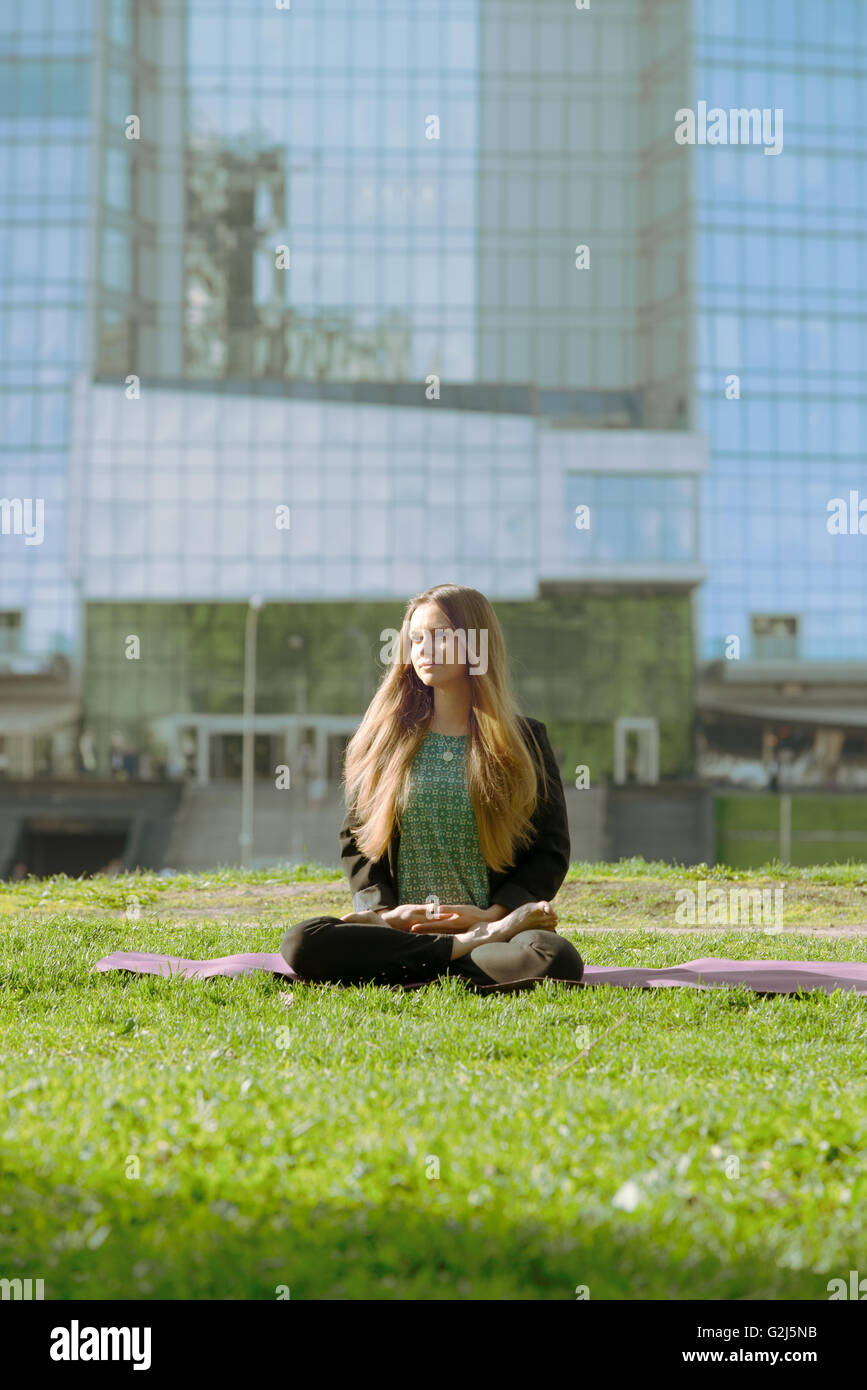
{"x": 514, "y": 950}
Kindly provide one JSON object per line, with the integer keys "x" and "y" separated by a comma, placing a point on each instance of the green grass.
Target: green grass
{"x": 293, "y": 1137}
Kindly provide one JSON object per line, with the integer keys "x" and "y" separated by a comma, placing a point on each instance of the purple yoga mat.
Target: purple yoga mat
{"x": 711, "y": 972}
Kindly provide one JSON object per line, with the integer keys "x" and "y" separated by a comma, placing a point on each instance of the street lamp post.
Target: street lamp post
{"x": 247, "y": 765}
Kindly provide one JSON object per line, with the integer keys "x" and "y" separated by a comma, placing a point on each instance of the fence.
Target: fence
{"x": 799, "y": 828}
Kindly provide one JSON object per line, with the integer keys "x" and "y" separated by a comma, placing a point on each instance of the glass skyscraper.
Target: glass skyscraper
{"x": 48, "y": 67}
{"x": 781, "y": 303}
{"x": 426, "y": 280}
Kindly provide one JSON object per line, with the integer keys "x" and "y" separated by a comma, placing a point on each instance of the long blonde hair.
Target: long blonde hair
{"x": 503, "y": 779}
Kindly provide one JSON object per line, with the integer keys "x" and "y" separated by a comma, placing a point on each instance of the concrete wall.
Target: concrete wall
{"x": 189, "y": 827}
{"x": 672, "y": 822}
{"x": 144, "y": 810}
{"x": 205, "y": 831}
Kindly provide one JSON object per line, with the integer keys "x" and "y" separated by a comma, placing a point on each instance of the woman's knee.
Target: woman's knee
{"x": 301, "y": 945}
{"x": 559, "y": 958}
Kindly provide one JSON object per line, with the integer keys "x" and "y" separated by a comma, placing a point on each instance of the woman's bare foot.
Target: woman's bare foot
{"x": 524, "y": 918}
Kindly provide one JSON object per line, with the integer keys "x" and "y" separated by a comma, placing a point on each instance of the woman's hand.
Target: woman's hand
{"x": 408, "y": 915}
{"x": 459, "y": 917}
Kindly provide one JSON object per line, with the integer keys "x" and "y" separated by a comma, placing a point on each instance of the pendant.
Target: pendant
{"x": 448, "y": 755}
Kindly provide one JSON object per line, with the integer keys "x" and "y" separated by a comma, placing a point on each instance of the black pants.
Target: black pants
{"x": 324, "y": 949}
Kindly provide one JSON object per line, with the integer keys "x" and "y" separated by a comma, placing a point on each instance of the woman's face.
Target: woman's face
{"x": 438, "y": 657}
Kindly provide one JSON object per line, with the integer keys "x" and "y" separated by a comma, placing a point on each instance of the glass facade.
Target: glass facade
{"x": 560, "y": 102}
{"x": 192, "y": 493}
{"x": 378, "y": 192}
{"x": 348, "y": 135}
{"x": 242, "y": 207}
{"x": 632, "y": 517}
{"x": 179, "y": 495}
{"x": 782, "y": 305}
{"x": 130, "y": 201}
{"x": 46, "y": 66}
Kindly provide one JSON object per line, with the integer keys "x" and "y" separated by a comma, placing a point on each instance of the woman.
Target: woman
{"x": 456, "y": 835}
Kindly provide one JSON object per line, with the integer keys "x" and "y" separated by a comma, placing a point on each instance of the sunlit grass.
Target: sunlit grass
{"x": 183, "y": 1139}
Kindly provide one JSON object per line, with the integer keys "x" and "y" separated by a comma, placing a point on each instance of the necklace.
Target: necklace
{"x": 447, "y": 755}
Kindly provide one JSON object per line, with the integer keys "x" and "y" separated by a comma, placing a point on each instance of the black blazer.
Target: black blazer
{"x": 536, "y": 874}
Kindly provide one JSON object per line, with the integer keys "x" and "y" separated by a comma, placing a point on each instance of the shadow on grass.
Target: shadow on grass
{"x": 90, "y": 1244}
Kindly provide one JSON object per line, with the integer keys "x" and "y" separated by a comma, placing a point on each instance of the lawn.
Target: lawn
{"x": 232, "y": 1139}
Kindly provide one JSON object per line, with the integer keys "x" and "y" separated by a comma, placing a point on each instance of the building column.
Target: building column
{"x": 320, "y": 756}
{"x": 290, "y": 750}
{"x": 203, "y": 755}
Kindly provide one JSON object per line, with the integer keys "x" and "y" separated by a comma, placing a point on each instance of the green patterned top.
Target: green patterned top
{"x": 439, "y": 849}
